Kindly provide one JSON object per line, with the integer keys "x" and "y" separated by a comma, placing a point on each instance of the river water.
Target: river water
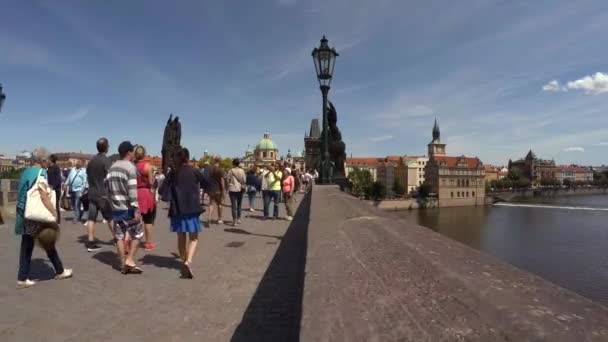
{"x": 562, "y": 239}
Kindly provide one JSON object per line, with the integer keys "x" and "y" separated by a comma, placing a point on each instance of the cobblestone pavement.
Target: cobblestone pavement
{"x": 100, "y": 304}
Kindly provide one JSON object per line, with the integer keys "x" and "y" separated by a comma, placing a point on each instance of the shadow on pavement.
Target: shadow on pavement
{"x": 244, "y": 232}
{"x": 82, "y": 239}
{"x": 275, "y": 311}
{"x": 161, "y": 261}
{"x": 109, "y": 258}
{"x": 41, "y": 270}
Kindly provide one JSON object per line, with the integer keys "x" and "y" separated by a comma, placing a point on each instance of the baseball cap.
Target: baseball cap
{"x": 125, "y": 147}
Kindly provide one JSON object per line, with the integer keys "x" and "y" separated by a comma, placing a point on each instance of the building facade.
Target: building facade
{"x": 265, "y": 153}
{"x": 456, "y": 181}
{"x": 295, "y": 159}
{"x": 415, "y": 172}
{"x": 533, "y": 168}
{"x": 574, "y": 173}
{"x": 368, "y": 164}
{"x": 491, "y": 173}
{"x": 312, "y": 145}
{"x": 69, "y": 159}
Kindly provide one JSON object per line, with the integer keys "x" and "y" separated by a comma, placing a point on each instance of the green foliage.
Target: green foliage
{"x": 513, "y": 175}
{"x": 362, "y": 182}
{"x": 398, "y": 188}
{"x": 549, "y": 182}
{"x": 568, "y": 183}
{"x": 378, "y": 191}
{"x": 225, "y": 164}
{"x": 13, "y": 173}
{"x": 424, "y": 190}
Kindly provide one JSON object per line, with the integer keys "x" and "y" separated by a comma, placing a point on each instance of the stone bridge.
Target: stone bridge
{"x": 341, "y": 271}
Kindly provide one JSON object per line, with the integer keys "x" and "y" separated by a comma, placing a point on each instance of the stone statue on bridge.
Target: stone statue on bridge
{"x": 171, "y": 142}
{"x": 337, "y": 148}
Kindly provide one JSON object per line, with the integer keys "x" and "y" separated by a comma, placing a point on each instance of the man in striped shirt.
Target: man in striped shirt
{"x": 122, "y": 188}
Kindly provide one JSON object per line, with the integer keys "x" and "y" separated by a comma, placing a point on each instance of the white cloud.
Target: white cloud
{"x": 553, "y": 86}
{"x": 594, "y": 84}
{"x": 602, "y": 143}
{"x": 382, "y": 138}
{"x": 79, "y": 114}
{"x": 574, "y": 149}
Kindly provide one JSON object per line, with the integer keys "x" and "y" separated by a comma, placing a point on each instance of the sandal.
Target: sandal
{"x": 186, "y": 271}
{"x": 131, "y": 269}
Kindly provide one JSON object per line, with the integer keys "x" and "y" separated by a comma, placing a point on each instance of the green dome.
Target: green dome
{"x": 266, "y": 143}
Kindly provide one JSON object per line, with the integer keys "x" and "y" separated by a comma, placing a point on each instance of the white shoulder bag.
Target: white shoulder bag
{"x": 35, "y": 210}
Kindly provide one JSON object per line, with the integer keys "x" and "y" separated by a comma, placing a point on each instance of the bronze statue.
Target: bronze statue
{"x": 171, "y": 141}
{"x": 337, "y": 148}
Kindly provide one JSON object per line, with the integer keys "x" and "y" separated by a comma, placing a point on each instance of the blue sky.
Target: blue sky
{"x": 501, "y": 76}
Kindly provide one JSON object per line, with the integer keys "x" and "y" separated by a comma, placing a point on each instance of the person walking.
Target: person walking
{"x": 76, "y": 183}
{"x": 183, "y": 186}
{"x": 159, "y": 178}
{"x": 28, "y": 229}
{"x": 145, "y": 195}
{"x": 236, "y": 180}
{"x": 216, "y": 189}
{"x": 272, "y": 177}
{"x": 253, "y": 185}
{"x": 55, "y": 181}
{"x": 122, "y": 189}
{"x": 99, "y": 200}
{"x": 289, "y": 187}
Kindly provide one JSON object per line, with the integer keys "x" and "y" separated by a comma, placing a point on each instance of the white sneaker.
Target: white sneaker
{"x": 25, "y": 284}
{"x": 251, "y": 209}
{"x": 289, "y": 218}
{"x": 67, "y": 273}
{"x": 104, "y": 221}
{"x": 220, "y": 222}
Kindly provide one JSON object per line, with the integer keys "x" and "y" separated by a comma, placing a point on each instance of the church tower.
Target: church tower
{"x": 436, "y": 148}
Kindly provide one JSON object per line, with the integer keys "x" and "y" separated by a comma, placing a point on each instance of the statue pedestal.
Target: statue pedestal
{"x": 342, "y": 181}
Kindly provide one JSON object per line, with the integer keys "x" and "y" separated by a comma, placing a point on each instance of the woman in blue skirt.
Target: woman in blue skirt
{"x": 183, "y": 186}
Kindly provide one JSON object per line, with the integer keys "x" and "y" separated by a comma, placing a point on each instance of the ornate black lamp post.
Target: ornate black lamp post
{"x": 325, "y": 58}
{"x": 2, "y": 97}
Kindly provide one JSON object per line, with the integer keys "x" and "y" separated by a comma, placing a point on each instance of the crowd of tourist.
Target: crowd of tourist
{"x": 126, "y": 189}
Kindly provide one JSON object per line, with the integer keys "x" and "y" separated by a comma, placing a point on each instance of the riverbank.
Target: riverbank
{"x": 491, "y": 198}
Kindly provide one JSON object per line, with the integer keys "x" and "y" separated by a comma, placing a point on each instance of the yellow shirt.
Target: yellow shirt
{"x": 275, "y": 184}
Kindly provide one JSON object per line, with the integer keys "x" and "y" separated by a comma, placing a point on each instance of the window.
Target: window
{"x": 473, "y": 193}
{"x": 452, "y": 193}
{"x": 263, "y": 154}
{"x": 458, "y": 193}
{"x": 420, "y": 182}
{"x": 271, "y": 154}
{"x": 458, "y": 182}
{"x": 467, "y": 184}
{"x": 467, "y": 194}
{"x": 443, "y": 181}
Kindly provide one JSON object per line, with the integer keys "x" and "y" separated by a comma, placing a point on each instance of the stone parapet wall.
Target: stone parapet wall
{"x": 371, "y": 276}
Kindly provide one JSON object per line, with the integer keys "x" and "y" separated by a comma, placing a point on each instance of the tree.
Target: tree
{"x": 378, "y": 191}
{"x": 12, "y": 173}
{"x": 424, "y": 190}
{"x": 362, "y": 182}
{"x": 568, "y": 182}
{"x": 40, "y": 152}
{"x": 398, "y": 188}
{"x": 513, "y": 175}
{"x": 521, "y": 183}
